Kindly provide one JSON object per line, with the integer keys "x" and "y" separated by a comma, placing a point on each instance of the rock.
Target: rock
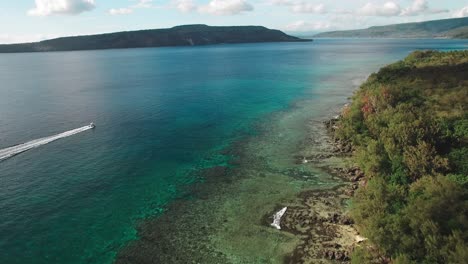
{"x": 349, "y": 192}
{"x": 339, "y": 255}
{"x": 334, "y": 218}
{"x": 346, "y": 220}
{"x": 360, "y": 174}
{"x": 334, "y": 254}
{"x": 363, "y": 183}
{"x": 329, "y": 254}
{"x": 360, "y": 239}
{"x": 347, "y": 148}
{"x": 357, "y": 176}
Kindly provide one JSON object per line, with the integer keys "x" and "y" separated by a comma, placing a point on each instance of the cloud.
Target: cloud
{"x": 420, "y": 7}
{"x": 184, "y": 6}
{"x": 307, "y": 26}
{"x": 120, "y": 11}
{"x": 391, "y": 8}
{"x": 143, "y": 4}
{"x": 226, "y": 7}
{"x": 130, "y": 9}
{"x": 388, "y": 9}
{"x": 348, "y": 21}
{"x": 462, "y": 12}
{"x": 334, "y": 21}
{"x": 62, "y": 7}
{"x": 301, "y": 6}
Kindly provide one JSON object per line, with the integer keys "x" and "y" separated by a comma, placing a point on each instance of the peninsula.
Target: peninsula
{"x": 186, "y": 35}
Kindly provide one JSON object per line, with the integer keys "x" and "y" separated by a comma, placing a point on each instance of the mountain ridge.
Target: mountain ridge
{"x": 443, "y": 28}
{"x": 184, "y": 35}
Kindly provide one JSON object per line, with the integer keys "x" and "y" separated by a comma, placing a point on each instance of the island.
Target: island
{"x": 444, "y": 28}
{"x": 186, "y": 35}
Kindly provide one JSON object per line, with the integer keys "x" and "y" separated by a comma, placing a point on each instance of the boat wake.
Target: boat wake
{"x": 17, "y": 149}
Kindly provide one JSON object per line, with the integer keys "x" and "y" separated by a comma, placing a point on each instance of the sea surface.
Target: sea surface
{"x": 161, "y": 115}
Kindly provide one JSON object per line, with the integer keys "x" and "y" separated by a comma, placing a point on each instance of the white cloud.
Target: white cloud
{"x": 301, "y": 6}
{"x": 226, "y": 7}
{"x": 120, "y": 11}
{"x": 185, "y": 6}
{"x": 64, "y": 7}
{"x": 462, "y": 12}
{"x": 307, "y": 26}
{"x": 130, "y": 9}
{"x": 143, "y": 4}
{"x": 391, "y": 8}
{"x": 349, "y": 21}
{"x": 420, "y": 7}
{"x": 334, "y": 21}
{"x": 388, "y": 9}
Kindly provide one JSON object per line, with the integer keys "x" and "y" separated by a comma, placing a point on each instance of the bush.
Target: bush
{"x": 409, "y": 126}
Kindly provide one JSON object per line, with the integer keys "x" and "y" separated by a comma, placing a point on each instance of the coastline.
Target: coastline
{"x": 146, "y": 162}
{"x": 224, "y": 218}
{"x": 313, "y": 181}
{"x": 320, "y": 217}
{"x": 231, "y": 210}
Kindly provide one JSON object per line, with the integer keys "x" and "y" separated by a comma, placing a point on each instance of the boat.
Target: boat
{"x": 92, "y": 125}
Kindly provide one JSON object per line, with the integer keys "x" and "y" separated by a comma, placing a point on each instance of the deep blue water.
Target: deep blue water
{"x": 161, "y": 115}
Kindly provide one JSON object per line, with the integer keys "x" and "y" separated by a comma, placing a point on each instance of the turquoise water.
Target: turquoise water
{"x": 161, "y": 114}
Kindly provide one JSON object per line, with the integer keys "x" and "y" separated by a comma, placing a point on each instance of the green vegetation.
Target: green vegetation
{"x": 445, "y": 28}
{"x": 408, "y": 125}
{"x": 188, "y": 35}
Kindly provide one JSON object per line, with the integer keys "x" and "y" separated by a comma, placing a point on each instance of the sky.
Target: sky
{"x": 34, "y": 20}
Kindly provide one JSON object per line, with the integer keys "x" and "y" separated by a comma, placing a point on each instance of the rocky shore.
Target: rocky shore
{"x": 320, "y": 217}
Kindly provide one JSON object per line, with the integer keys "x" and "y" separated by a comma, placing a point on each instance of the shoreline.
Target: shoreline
{"x": 200, "y": 164}
{"x": 314, "y": 228}
{"x": 319, "y": 217}
{"x": 224, "y": 217}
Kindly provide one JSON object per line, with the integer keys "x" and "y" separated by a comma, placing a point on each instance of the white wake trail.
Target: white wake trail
{"x": 12, "y": 151}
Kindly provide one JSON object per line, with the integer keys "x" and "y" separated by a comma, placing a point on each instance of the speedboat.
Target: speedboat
{"x": 92, "y": 125}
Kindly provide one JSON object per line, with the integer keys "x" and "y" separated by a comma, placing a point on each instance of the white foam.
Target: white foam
{"x": 277, "y": 218}
{"x": 15, "y": 150}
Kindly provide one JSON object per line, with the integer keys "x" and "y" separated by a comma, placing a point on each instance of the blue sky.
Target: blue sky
{"x": 32, "y": 20}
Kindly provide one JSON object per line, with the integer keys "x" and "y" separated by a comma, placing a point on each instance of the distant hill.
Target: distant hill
{"x": 445, "y": 28}
{"x": 188, "y": 35}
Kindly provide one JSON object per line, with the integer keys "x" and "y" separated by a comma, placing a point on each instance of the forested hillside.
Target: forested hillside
{"x": 443, "y": 28}
{"x": 186, "y": 35}
{"x": 408, "y": 125}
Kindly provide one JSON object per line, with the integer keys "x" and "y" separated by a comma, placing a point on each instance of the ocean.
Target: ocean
{"x": 163, "y": 117}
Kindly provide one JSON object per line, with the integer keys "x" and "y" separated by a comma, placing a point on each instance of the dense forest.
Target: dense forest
{"x": 443, "y": 28}
{"x": 408, "y": 125}
{"x": 186, "y": 35}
